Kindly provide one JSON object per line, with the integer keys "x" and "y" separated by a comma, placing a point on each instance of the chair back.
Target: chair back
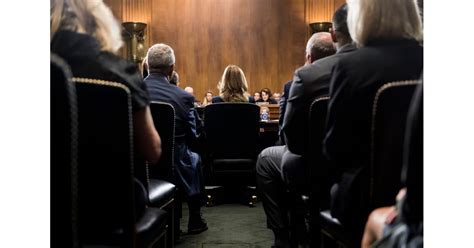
{"x": 389, "y": 115}
{"x": 106, "y": 187}
{"x": 232, "y": 130}
{"x": 64, "y": 225}
{"x": 164, "y": 119}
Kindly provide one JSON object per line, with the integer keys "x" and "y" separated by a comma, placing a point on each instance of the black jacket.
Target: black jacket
{"x": 355, "y": 80}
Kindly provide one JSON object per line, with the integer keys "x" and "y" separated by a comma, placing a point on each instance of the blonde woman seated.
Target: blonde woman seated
{"x": 207, "y": 98}
{"x": 233, "y": 86}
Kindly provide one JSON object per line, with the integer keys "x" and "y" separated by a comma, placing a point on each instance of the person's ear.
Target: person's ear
{"x": 308, "y": 59}
{"x": 333, "y": 35}
{"x": 170, "y": 73}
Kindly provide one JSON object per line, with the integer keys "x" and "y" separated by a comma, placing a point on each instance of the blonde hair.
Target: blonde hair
{"x": 90, "y": 17}
{"x": 205, "y": 101}
{"x": 233, "y": 85}
{"x": 383, "y": 19}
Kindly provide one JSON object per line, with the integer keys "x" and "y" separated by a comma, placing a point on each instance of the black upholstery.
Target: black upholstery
{"x": 107, "y": 189}
{"x": 64, "y": 225}
{"x": 389, "y": 113}
{"x": 164, "y": 119}
{"x": 232, "y": 135}
{"x": 319, "y": 190}
{"x": 161, "y": 182}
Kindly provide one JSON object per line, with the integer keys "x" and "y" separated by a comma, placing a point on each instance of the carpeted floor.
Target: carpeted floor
{"x": 230, "y": 226}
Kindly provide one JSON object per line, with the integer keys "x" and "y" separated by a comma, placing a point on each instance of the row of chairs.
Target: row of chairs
{"x": 381, "y": 179}
{"x": 96, "y": 197}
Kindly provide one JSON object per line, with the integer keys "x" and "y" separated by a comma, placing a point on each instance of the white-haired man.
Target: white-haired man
{"x": 161, "y": 60}
{"x": 281, "y": 167}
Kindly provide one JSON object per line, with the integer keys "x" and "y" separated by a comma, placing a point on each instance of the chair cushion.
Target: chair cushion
{"x": 160, "y": 192}
{"x": 333, "y": 228}
{"x": 150, "y": 226}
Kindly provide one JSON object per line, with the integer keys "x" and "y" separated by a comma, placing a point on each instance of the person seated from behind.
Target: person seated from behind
{"x": 388, "y": 51}
{"x": 256, "y": 96}
{"x": 265, "y": 94}
{"x": 233, "y": 86}
{"x": 174, "y": 79}
{"x": 86, "y": 35}
{"x": 280, "y": 168}
{"x": 207, "y": 98}
{"x": 161, "y": 61}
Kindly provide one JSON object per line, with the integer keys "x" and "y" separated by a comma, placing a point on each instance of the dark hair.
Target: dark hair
{"x": 339, "y": 20}
{"x": 266, "y": 90}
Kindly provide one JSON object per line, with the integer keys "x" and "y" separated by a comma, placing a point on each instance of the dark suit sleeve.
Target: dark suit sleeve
{"x": 293, "y": 122}
{"x": 283, "y": 102}
{"x": 191, "y": 130}
{"x": 337, "y": 145}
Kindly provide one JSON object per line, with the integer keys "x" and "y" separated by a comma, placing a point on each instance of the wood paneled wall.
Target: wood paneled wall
{"x": 266, "y": 38}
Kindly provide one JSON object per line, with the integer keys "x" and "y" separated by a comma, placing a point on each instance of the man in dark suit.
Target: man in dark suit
{"x": 280, "y": 167}
{"x": 161, "y": 62}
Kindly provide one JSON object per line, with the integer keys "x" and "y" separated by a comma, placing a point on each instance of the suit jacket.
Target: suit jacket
{"x": 217, "y": 99}
{"x": 308, "y": 82}
{"x": 283, "y": 102}
{"x": 355, "y": 80}
{"x": 187, "y": 163}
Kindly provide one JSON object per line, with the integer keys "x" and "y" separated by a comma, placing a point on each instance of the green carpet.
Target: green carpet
{"x": 230, "y": 226}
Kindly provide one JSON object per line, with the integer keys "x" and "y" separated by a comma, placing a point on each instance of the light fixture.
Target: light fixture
{"x": 317, "y": 27}
{"x": 134, "y": 34}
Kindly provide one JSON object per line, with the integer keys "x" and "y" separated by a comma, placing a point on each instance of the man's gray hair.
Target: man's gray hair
{"x": 160, "y": 56}
{"x": 320, "y": 45}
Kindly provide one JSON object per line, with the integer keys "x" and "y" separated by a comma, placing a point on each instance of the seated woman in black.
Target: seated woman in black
{"x": 265, "y": 94}
{"x": 233, "y": 86}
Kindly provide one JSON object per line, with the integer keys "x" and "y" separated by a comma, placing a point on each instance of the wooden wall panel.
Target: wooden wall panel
{"x": 266, "y": 38}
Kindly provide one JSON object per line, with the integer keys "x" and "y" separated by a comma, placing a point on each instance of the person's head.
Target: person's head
{"x": 265, "y": 93}
{"x": 233, "y": 85}
{"x": 207, "y": 98}
{"x": 161, "y": 59}
{"x": 174, "y": 79}
{"x": 319, "y": 46}
{"x": 256, "y": 96}
{"x": 276, "y": 96}
{"x": 91, "y": 17}
{"x": 340, "y": 32}
{"x": 383, "y": 19}
{"x": 190, "y": 90}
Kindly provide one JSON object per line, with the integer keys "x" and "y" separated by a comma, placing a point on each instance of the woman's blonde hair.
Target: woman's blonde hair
{"x": 233, "y": 85}
{"x": 383, "y": 19}
{"x": 205, "y": 101}
{"x": 90, "y": 17}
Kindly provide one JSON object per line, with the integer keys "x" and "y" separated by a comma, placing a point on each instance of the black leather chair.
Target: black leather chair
{"x": 232, "y": 136}
{"x": 161, "y": 183}
{"x": 64, "y": 225}
{"x": 389, "y": 113}
{"x": 112, "y": 202}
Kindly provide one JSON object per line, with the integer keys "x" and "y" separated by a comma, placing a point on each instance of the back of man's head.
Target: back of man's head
{"x": 319, "y": 46}
{"x": 339, "y": 23}
{"x": 160, "y": 58}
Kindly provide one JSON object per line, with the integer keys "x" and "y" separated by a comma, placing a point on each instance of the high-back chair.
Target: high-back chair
{"x": 64, "y": 223}
{"x": 389, "y": 113}
{"x": 317, "y": 165}
{"x": 161, "y": 181}
{"x": 232, "y": 136}
{"x": 111, "y": 202}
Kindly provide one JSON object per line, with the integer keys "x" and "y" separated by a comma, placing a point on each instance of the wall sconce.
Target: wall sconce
{"x": 317, "y": 27}
{"x": 134, "y": 34}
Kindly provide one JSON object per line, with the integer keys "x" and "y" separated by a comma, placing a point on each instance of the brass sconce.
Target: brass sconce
{"x": 134, "y": 34}
{"x": 317, "y": 27}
